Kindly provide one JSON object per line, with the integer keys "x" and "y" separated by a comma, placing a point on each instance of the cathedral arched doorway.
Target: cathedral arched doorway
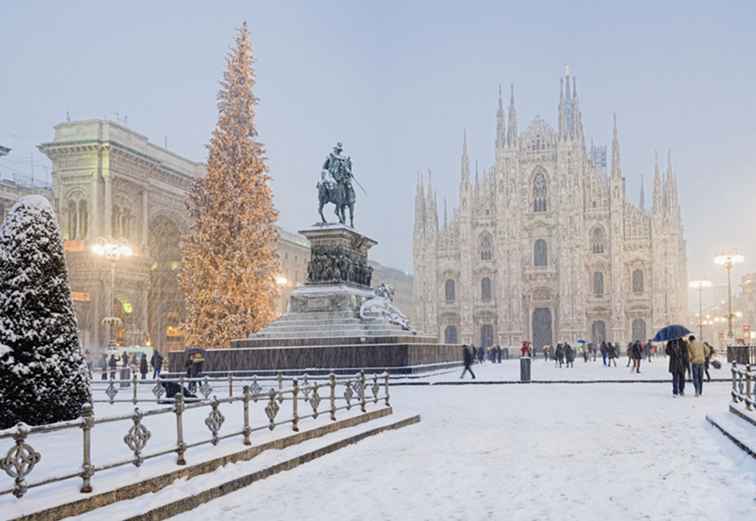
{"x": 486, "y": 335}
{"x": 542, "y": 333}
{"x": 598, "y": 332}
{"x": 639, "y": 329}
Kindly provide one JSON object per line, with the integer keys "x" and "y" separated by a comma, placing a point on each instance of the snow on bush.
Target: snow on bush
{"x": 43, "y": 375}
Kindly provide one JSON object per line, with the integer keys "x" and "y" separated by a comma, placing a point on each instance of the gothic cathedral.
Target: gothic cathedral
{"x": 546, "y": 246}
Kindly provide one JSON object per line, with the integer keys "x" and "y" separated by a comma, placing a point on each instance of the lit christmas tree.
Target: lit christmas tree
{"x": 43, "y": 375}
{"x": 229, "y": 254}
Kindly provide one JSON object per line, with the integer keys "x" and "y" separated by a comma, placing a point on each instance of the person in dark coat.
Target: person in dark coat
{"x": 112, "y": 364}
{"x": 125, "y": 359}
{"x": 604, "y": 352}
{"x": 143, "y": 366}
{"x": 636, "y": 352}
{"x": 709, "y": 354}
{"x": 677, "y": 352}
{"x": 481, "y": 354}
{"x": 157, "y": 364}
{"x": 498, "y": 354}
{"x": 613, "y": 353}
{"x": 559, "y": 355}
{"x": 569, "y": 355}
{"x": 467, "y": 360}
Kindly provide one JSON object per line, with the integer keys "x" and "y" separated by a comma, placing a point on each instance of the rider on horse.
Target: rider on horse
{"x": 336, "y": 183}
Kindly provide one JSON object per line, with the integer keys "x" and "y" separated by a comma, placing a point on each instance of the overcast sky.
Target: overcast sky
{"x": 398, "y": 84}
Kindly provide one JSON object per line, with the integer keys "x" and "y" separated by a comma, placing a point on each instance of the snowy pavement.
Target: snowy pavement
{"x": 537, "y": 452}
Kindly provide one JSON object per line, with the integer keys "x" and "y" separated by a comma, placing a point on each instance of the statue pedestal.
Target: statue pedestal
{"x": 324, "y": 329}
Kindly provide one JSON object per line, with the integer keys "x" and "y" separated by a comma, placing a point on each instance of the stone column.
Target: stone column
{"x": 94, "y": 221}
{"x": 106, "y": 174}
{"x": 145, "y": 223}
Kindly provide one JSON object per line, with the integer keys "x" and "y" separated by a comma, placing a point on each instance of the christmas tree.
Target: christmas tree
{"x": 229, "y": 253}
{"x": 43, "y": 375}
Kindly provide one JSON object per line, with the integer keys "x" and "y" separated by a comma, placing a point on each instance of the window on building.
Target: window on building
{"x": 598, "y": 240}
{"x": 73, "y": 220}
{"x": 486, "y": 247}
{"x": 638, "y": 281}
{"x": 540, "y": 253}
{"x": 449, "y": 291}
{"x": 83, "y": 220}
{"x": 540, "y": 192}
{"x": 450, "y": 335}
{"x": 486, "y": 335}
{"x": 598, "y": 284}
{"x": 485, "y": 290}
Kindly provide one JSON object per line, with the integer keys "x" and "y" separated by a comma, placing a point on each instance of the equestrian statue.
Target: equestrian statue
{"x": 335, "y": 185}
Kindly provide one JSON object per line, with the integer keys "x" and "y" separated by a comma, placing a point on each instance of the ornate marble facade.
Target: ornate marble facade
{"x": 546, "y": 245}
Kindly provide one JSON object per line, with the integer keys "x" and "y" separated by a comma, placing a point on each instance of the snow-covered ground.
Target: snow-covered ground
{"x": 537, "y": 452}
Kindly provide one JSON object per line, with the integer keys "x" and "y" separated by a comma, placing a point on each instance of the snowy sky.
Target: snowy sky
{"x": 398, "y": 84}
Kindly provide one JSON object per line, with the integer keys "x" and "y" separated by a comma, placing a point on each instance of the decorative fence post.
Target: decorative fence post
{"x": 748, "y": 393}
{"x": 135, "y": 383}
{"x": 386, "y": 387}
{"x": 363, "y": 403}
{"x": 295, "y": 407}
{"x": 247, "y": 426}
{"x": 180, "y": 445}
{"x": 230, "y": 385}
{"x": 87, "y": 469}
{"x": 332, "y": 385}
{"x": 280, "y": 380}
{"x": 20, "y": 460}
{"x": 734, "y": 382}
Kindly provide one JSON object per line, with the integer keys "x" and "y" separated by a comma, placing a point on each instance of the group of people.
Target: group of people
{"x": 690, "y": 356}
{"x": 135, "y": 363}
{"x": 564, "y": 354}
{"x": 472, "y": 354}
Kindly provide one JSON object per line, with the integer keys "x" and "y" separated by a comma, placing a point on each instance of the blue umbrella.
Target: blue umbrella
{"x": 581, "y": 341}
{"x": 671, "y": 332}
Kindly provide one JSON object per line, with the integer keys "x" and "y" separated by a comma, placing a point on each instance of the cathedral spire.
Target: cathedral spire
{"x": 419, "y": 204}
{"x": 642, "y": 203}
{"x": 477, "y": 178}
{"x": 501, "y": 131}
{"x": 616, "y": 169}
{"x": 465, "y": 167}
{"x": 431, "y": 206}
{"x": 658, "y": 201}
{"x": 512, "y": 123}
{"x": 672, "y": 183}
{"x": 446, "y": 216}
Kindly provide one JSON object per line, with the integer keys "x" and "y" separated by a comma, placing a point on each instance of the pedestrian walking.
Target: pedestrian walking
{"x": 498, "y": 354}
{"x": 569, "y": 355}
{"x": 467, "y": 360}
{"x": 604, "y": 352}
{"x": 143, "y": 366}
{"x": 112, "y": 364}
{"x": 636, "y": 351}
{"x": 613, "y": 353}
{"x": 481, "y": 354}
{"x": 628, "y": 353}
{"x": 156, "y": 362}
{"x": 709, "y": 353}
{"x": 698, "y": 352}
{"x": 584, "y": 349}
{"x": 125, "y": 359}
{"x": 678, "y": 361}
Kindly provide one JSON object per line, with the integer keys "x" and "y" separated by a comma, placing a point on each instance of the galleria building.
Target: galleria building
{"x": 546, "y": 245}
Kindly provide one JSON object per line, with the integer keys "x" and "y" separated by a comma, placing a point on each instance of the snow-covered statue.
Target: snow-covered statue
{"x": 382, "y": 306}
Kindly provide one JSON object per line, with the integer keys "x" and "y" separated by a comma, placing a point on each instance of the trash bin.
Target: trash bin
{"x": 525, "y": 369}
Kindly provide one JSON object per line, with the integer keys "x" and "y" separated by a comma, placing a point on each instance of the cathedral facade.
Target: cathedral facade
{"x": 546, "y": 245}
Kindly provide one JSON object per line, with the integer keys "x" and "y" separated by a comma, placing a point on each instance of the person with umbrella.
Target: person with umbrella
{"x": 677, "y": 351}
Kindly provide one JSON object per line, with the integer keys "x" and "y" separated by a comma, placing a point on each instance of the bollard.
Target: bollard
{"x": 280, "y": 380}
{"x": 386, "y": 385}
{"x": 748, "y": 394}
{"x": 363, "y": 403}
{"x": 87, "y": 469}
{"x": 295, "y": 407}
{"x": 332, "y": 384}
{"x": 230, "y": 386}
{"x": 135, "y": 382}
{"x": 525, "y": 369}
{"x": 247, "y": 424}
{"x": 180, "y": 445}
{"x": 734, "y": 383}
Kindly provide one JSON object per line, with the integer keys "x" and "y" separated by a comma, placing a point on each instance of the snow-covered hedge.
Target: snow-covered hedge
{"x": 43, "y": 375}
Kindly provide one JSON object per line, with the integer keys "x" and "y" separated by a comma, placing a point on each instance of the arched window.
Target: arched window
{"x": 598, "y": 240}
{"x": 449, "y": 291}
{"x": 598, "y": 284}
{"x": 486, "y": 335}
{"x": 638, "y": 281}
{"x": 450, "y": 334}
{"x": 73, "y": 220}
{"x": 598, "y": 333}
{"x": 540, "y": 253}
{"x": 486, "y": 247}
{"x": 485, "y": 290}
{"x": 539, "y": 192}
{"x": 639, "y": 329}
{"x": 115, "y": 222}
{"x": 83, "y": 219}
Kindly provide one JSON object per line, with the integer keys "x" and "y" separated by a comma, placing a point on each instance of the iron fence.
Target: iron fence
{"x": 21, "y": 459}
{"x": 743, "y": 379}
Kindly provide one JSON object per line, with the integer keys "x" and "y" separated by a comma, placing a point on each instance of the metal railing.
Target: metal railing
{"x": 21, "y": 459}
{"x": 743, "y": 379}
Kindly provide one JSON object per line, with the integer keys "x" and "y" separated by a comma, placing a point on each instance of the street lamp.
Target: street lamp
{"x": 728, "y": 260}
{"x": 112, "y": 250}
{"x": 700, "y": 285}
{"x": 282, "y": 282}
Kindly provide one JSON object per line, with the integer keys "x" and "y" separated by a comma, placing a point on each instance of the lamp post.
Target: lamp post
{"x": 728, "y": 260}
{"x": 112, "y": 250}
{"x": 700, "y": 285}
{"x": 282, "y": 282}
